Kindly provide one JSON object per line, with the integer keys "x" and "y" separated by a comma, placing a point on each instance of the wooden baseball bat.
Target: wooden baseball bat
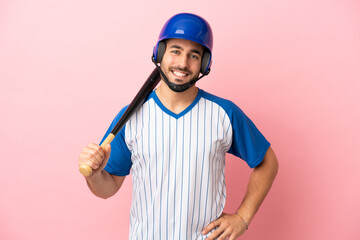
{"x": 139, "y": 99}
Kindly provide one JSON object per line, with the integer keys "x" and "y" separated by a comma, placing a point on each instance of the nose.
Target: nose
{"x": 183, "y": 61}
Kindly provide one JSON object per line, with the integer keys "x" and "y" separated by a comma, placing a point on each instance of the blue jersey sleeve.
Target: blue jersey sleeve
{"x": 119, "y": 163}
{"x": 248, "y": 143}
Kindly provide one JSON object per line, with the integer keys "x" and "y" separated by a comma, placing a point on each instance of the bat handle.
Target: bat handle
{"x": 86, "y": 170}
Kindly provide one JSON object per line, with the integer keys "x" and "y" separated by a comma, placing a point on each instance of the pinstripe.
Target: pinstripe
{"x": 149, "y": 150}
{"x": 208, "y": 175}
{"x": 162, "y": 176}
{"x": 223, "y": 136}
{"x": 142, "y": 237}
{"x": 176, "y": 150}
{"x": 142, "y": 153}
{"x": 182, "y": 174}
{"x": 202, "y": 168}
{"x": 223, "y": 174}
{"x": 135, "y": 208}
{"x": 188, "y": 200}
{"x": 218, "y": 162}
{"x": 215, "y": 194}
{"x": 196, "y": 163}
{"x": 140, "y": 166}
{"x": 227, "y": 132}
{"x": 132, "y": 208}
{"x": 167, "y": 199}
{"x": 214, "y": 164}
{"x": 156, "y": 159}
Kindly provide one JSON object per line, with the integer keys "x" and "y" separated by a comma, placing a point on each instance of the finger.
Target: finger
{"x": 97, "y": 148}
{"x": 223, "y": 236}
{"x": 211, "y": 226}
{"x": 98, "y": 154}
{"x": 95, "y": 157}
{"x": 227, "y": 231}
{"x": 104, "y": 153}
{"x": 215, "y": 234}
{"x": 100, "y": 150}
{"x": 233, "y": 237}
{"x": 88, "y": 159}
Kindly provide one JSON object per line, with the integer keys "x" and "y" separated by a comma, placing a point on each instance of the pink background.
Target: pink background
{"x": 67, "y": 67}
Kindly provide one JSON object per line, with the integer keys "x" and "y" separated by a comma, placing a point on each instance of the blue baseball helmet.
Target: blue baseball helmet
{"x": 187, "y": 26}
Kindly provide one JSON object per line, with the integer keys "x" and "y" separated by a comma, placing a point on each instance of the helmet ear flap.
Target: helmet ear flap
{"x": 160, "y": 51}
{"x": 205, "y": 62}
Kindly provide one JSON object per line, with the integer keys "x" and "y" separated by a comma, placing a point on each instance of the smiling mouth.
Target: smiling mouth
{"x": 179, "y": 74}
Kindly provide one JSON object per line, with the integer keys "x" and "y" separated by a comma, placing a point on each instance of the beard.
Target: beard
{"x": 178, "y": 85}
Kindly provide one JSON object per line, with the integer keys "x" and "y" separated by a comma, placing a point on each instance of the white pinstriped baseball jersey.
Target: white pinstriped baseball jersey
{"x": 177, "y": 163}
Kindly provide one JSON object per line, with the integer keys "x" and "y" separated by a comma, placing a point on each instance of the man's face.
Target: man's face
{"x": 182, "y": 60}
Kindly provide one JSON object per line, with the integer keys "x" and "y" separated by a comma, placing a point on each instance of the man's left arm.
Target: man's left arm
{"x": 261, "y": 179}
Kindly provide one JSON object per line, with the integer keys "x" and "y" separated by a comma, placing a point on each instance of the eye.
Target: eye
{"x": 195, "y": 57}
{"x": 175, "y": 51}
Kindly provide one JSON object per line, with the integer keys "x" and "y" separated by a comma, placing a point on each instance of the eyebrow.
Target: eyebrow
{"x": 179, "y": 47}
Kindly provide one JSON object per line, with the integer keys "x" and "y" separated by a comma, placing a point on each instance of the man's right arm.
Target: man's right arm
{"x": 100, "y": 182}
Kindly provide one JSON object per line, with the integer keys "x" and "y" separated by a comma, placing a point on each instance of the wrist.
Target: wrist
{"x": 246, "y": 224}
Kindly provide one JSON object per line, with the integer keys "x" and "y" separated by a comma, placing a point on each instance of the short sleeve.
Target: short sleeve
{"x": 119, "y": 163}
{"x": 248, "y": 143}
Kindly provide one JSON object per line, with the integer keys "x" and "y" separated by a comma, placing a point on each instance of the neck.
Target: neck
{"x": 176, "y": 101}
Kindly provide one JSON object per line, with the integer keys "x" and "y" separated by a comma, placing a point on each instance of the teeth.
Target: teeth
{"x": 179, "y": 74}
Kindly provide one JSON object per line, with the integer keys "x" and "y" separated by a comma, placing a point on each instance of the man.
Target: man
{"x": 175, "y": 147}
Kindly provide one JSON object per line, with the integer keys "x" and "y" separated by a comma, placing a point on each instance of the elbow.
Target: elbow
{"x": 276, "y": 166}
{"x": 274, "y": 163}
{"x": 103, "y": 196}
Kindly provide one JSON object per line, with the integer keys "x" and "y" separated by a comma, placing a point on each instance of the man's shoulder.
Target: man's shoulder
{"x": 226, "y": 104}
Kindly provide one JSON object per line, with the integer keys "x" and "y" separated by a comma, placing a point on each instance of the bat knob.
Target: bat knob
{"x": 85, "y": 170}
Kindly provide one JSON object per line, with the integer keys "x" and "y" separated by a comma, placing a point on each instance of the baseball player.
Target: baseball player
{"x": 175, "y": 146}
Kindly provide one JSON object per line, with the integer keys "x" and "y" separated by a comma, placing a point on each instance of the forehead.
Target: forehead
{"x": 185, "y": 44}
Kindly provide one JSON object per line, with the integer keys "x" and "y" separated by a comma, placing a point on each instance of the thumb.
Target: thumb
{"x": 107, "y": 150}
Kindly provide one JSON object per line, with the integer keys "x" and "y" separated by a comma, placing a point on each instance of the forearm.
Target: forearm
{"x": 103, "y": 184}
{"x": 260, "y": 182}
{"x": 261, "y": 179}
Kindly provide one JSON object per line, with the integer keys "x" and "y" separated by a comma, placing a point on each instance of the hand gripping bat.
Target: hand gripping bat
{"x": 139, "y": 99}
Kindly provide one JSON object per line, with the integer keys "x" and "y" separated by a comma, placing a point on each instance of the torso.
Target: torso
{"x": 178, "y": 163}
